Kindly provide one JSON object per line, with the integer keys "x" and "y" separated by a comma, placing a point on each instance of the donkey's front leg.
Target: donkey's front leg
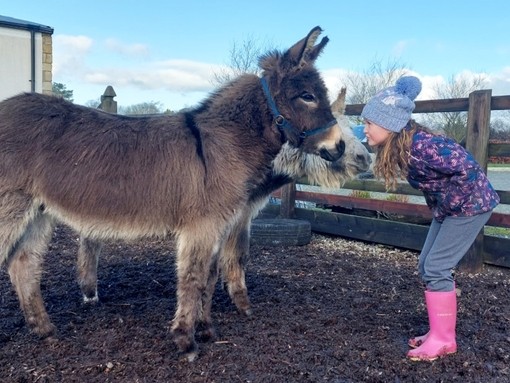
{"x": 233, "y": 259}
{"x": 88, "y": 257}
{"x": 195, "y": 253}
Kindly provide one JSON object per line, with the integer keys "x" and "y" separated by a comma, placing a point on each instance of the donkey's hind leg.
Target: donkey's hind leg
{"x": 88, "y": 256}
{"x": 205, "y": 329}
{"x": 24, "y": 266}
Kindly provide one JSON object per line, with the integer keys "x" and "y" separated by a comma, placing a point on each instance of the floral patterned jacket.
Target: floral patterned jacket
{"x": 452, "y": 182}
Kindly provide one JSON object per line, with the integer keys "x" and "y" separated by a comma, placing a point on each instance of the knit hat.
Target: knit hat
{"x": 391, "y": 108}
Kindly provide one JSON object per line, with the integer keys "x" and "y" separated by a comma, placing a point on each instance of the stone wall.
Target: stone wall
{"x": 47, "y": 61}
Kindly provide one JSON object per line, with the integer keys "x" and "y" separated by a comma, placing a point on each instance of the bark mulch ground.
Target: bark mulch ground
{"x": 333, "y": 311}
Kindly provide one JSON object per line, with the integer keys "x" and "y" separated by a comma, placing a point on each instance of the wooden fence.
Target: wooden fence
{"x": 405, "y": 234}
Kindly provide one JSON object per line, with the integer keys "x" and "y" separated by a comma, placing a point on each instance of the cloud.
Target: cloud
{"x": 69, "y": 53}
{"x": 400, "y": 47}
{"x": 172, "y": 75}
{"x": 133, "y": 50}
{"x": 500, "y": 82}
{"x": 76, "y": 64}
{"x": 333, "y": 80}
{"x": 429, "y": 84}
{"x": 75, "y": 61}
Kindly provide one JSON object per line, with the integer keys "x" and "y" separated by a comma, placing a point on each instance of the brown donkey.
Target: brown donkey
{"x": 196, "y": 174}
{"x": 290, "y": 164}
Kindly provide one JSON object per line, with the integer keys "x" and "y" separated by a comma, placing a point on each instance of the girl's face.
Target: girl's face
{"x": 376, "y": 134}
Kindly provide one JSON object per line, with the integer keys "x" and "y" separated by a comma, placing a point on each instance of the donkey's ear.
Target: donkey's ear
{"x": 304, "y": 52}
{"x": 338, "y": 106}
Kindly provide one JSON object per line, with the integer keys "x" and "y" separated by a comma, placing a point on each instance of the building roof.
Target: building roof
{"x": 10, "y": 22}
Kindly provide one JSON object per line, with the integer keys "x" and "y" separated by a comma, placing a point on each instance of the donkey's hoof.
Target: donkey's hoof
{"x": 205, "y": 333}
{"x": 51, "y": 340}
{"x": 190, "y": 356}
{"x": 45, "y": 331}
{"x": 185, "y": 343}
{"x": 242, "y": 303}
{"x": 247, "y": 311}
{"x": 90, "y": 299}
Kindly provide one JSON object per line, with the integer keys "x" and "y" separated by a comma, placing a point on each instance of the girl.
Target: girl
{"x": 456, "y": 190}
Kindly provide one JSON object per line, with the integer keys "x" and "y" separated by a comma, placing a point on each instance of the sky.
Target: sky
{"x": 168, "y": 51}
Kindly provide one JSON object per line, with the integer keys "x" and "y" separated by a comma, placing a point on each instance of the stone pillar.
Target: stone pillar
{"x": 108, "y": 104}
{"x": 47, "y": 62}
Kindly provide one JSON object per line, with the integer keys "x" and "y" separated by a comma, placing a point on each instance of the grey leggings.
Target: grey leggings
{"x": 444, "y": 247}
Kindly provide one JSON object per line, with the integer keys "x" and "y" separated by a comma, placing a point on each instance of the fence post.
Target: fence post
{"x": 108, "y": 104}
{"x": 288, "y": 200}
{"x": 477, "y": 143}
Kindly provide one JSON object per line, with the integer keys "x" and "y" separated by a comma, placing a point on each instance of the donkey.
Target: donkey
{"x": 195, "y": 174}
{"x": 290, "y": 164}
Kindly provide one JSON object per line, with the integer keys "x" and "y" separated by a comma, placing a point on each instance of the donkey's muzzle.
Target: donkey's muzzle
{"x": 335, "y": 154}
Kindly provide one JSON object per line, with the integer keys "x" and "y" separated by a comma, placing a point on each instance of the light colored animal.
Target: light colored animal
{"x": 290, "y": 164}
{"x": 196, "y": 174}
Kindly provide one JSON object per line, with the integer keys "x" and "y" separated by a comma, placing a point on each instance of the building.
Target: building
{"x": 26, "y": 58}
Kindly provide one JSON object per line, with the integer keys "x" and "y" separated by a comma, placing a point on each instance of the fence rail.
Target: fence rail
{"x": 488, "y": 249}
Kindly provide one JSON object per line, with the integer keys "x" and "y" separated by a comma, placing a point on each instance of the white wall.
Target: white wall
{"x": 15, "y": 62}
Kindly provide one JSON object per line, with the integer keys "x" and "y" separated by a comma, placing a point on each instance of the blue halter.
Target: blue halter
{"x": 282, "y": 123}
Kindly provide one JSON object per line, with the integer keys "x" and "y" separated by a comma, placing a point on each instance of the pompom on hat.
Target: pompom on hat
{"x": 391, "y": 108}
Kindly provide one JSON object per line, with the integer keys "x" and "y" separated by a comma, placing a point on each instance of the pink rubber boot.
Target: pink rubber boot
{"x": 440, "y": 340}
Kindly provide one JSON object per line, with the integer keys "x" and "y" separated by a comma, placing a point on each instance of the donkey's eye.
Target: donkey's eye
{"x": 307, "y": 97}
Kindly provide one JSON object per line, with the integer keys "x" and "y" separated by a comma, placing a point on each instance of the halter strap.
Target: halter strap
{"x": 282, "y": 123}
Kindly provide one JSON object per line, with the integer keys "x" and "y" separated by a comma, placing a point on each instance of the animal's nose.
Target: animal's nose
{"x": 340, "y": 147}
{"x": 333, "y": 155}
{"x": 363, "y": 157}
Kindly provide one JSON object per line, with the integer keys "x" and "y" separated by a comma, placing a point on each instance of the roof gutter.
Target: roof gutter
{"x": 32, "y": 61}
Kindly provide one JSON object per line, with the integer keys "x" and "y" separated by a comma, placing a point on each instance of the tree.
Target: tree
{"x": 61, "y": 90}
{"x": 244, "y": 58}
{"x": 151, "y": 107}
{"x": 93, "y": 103}
{"x": 454, "y": 124}
{"x": 500, "y": 127}
{"x": 364, "y": 84}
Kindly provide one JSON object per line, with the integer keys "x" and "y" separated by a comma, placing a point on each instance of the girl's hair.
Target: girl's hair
{"x": 393, "y": 155}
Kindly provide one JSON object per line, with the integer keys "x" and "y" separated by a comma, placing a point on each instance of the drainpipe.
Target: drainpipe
{"x": 32, "y": 60}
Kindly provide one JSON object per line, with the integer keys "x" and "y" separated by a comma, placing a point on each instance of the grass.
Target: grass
{"x": 497, "y": 231}
{"x": 398, "y": 198}
{"x": 361, "y": 194}
{"x": 503, "y": 166}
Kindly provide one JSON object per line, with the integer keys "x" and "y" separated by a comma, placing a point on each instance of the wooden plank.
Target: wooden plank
{"x": 495, "y": 249}
{"x": 504, "y": 196}
{"x": 377, "y": 186}
{"x": 391, "y": 207}
{"x": 288, "y": 197}
{"x": 443, "y": 105}
{"x": 499, "y": 150}
{"x": 500, "y": 103}
{"x": 365, "y": 203}
{"x": 477, "y": 141}
{"x": 478, "y": 126}
{"x": 428, "y": 106}
{"x": 405, "y": 189}
{"x": 374, "y": 230}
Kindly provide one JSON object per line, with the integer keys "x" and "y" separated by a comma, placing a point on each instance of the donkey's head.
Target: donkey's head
{"x": 298, "y": 98}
